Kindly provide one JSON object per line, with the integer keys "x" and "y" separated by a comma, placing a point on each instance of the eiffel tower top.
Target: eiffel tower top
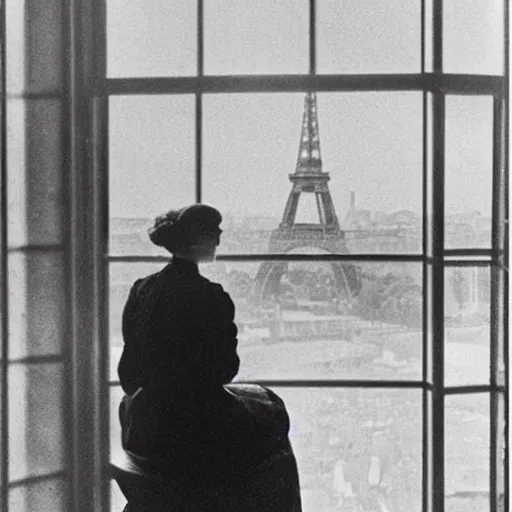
{"x": 309, "y": 160}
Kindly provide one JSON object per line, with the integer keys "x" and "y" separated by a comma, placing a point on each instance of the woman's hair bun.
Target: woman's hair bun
{"x": 164, "y": 232}
{"x": 178, "y": 228}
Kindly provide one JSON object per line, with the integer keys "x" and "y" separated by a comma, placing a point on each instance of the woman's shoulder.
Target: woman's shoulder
{"x": 212, "y": 286}
{"x": 216, "y": 293}
{"x": 147, "y": 281}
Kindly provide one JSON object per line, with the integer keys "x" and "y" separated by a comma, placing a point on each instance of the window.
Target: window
{"x": 358, "y": 153}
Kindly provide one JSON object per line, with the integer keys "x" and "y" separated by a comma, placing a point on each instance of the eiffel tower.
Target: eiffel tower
{"x": 326, "y": 234}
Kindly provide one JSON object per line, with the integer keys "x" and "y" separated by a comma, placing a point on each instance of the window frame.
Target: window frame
{"x": 438, "y": 85}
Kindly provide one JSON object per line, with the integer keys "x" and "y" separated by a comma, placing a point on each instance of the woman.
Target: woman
{"x": 179, "y": 417}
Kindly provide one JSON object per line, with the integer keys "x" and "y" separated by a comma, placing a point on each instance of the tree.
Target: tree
{"x": 391, "y": 298}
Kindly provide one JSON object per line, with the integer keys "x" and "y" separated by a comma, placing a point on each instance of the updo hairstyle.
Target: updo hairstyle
{"x": 179, "y": 229}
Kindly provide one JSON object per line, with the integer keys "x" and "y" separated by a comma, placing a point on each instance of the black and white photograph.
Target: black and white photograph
{"x": 254, "y": 256}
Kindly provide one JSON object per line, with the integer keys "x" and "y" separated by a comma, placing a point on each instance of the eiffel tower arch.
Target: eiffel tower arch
{"x": 325, "y": 234}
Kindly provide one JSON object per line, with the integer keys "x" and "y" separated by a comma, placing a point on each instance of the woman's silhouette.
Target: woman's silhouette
{"x": 180, "y": 418}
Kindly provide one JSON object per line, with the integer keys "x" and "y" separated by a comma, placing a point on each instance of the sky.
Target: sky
{"x": 371, "y": 143}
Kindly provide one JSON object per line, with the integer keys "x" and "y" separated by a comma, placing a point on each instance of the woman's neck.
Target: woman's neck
{"x": 186, "y": 256}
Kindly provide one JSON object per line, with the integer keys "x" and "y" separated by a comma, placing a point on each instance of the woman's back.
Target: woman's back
{"x": 179, "y": 333}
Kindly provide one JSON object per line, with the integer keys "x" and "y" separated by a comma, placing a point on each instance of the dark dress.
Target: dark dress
{"x": 180, "y": 416}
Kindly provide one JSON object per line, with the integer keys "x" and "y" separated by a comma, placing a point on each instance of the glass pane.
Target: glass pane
{"x": 34, "y": 42}
{"x": 501, "y": 461}
{"x": 467, "y": 325}
{"x": 340, "y": 321}
{"x": 116, "y": 393}
{"x": 121, "y": 278}
{"x": 264, "y": 37}
{"x": 473, "y": 36}
{"x": 37, "y": 440}
{"x": 357, "y": 449}
{"x": 265, "y": 155}
{"x": 368, "y": 36}
{"x": 468, "y": 193}
{"x": 428, "y": 469}
{"x": 467, "y": 453}
{"x": 34, "y": 179}
{"x": 38, "y": 312}
{"x": 45, "y": 495}
{"x": 117, "y": 500}
{"x": 151, "y": 38}
{"x": 152, "y": 165}
{"x": 429, "y": 35}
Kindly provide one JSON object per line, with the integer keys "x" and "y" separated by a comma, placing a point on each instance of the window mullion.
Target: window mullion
{"x": 4, "y": 290}
{"x": 438, "y": 303}
{"x": 200, "y": 37}
{"x": 199, "y": 103}
{"x": 199, "y": 147}
{"x": 496, "y": 298}
{"x": 312, "y": 37}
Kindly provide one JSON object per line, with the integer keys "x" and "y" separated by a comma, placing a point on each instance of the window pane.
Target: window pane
{"x": 37, "y": 440}
{"x": 370, "y": 168}
{"x": 467, "y": 453}
{"x": 121, "y": 278}
{"x": 116, "y": 393}
{"x": 501, "y": 434}
{"x": 473, "y": 36}
{"x": 368, "y": 36}
{"x": 428, "y": 454}
{"x": 353, "y": 446}
{"x": 151, "y": 163}
{"x": 34, "y": 178}
{"x": 468, "y": 193}
{"x": 357, "y": 449}
{"x": 428, "y": 46}
{"x": 46, "y": 495}
{"x": 37, "y": 305}
{"x": 151, "y": 38}
{"x": 34, "y": 42}
{"x": 340, "y": 321}
{"x": 117, "y": 499}
{"x": 374, "y": 335}
{"x": 467, "y": 325}
{"x": 264, "y": 37}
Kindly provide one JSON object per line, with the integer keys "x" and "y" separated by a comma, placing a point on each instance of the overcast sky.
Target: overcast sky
{"x": 371, "y": 143}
